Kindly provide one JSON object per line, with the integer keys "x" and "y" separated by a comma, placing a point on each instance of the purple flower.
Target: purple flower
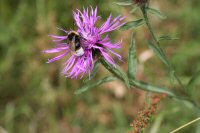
{"x": 88, "y": 41}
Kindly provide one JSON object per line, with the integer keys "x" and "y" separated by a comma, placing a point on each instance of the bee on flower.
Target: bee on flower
{"x": 86, "y": 44}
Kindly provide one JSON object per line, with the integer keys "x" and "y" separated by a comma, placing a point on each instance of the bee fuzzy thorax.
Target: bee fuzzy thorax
{"x": 75, "y": 43}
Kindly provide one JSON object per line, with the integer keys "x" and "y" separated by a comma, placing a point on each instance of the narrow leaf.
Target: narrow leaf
{"x": 132, "y": 24}
{"x": 172, "y": 76}
{"x": 159, "y": 53}
{"x": 156, "y": 13}
{"x": 124, "y": 3}
{"x": 162, "y": 38}
{"x": 149, "y": 87}
{"x": 93, "y": 85}
{"x": 116, "y": 71}
{"x": 132, "y": 60}
{"x": 134, "y": 9}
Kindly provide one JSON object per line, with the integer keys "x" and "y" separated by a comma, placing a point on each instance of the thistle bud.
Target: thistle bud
{"x": 140, "y": 3}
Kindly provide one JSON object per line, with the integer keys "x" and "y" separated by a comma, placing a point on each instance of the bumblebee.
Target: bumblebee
{"x": 74, "y": 41}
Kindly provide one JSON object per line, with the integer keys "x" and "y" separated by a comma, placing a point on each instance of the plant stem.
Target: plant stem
{"x": 144, "y": 12}
{"x": 187, "y": 124}
{"x": 146, "y": 86}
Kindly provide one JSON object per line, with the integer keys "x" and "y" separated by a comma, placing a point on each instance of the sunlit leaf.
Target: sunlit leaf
{"x": 95, "y": 84}
{"x": 117, "y": 71}
{"x": 132, "y": 24}
{"x": 156, "y": 12}
{"x": 163, "y": 38}
{"x": 132, "y": 60}
{"x": 124, "y": 3}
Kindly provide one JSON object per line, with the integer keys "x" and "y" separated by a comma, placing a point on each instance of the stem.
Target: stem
{"x": 146, "y": 86}
{"x": 193, "y": 121}
{"x": 158, "y": 45}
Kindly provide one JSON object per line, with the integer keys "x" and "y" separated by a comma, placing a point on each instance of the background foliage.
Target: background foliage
{"x": 35, "y": 98}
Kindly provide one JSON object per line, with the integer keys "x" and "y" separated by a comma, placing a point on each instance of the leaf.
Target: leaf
{"x": 162, "y": 38}
{"x": 159, "y": 53}
{"x": 92, "y": 85}
{"x": 124, "y": 3}
{"x": 195, "y": 78}
{"x": 151, "y": 88}
{"x": 134, "y": 9}
{"x": 132, "y": 60}
{"x": 132, "y": 24}
{"x": 156, "y": 12}
{"x": 116, "y": 71}
{"x": 94, "y": 72}
{"x": 172, "y": 76}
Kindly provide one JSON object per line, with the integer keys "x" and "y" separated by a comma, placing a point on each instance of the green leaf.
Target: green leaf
{"x": 195, "y": 78}
{"x": 156, "y": 12}
{"x": 93, "y": 85}
{"x": 134, "y": 9}
{"x": 149, "y": 87}
{"x": 172, "y": 76}
{"x": 132, "y": 60}
{"x": 93, "y": 74}
{"x": 162, "y": 38}
{"x": 132, "y": 24}
{"x": 159, "y": 53}
{"x": 124, "y": 3}
{"x": 116, "y": 71}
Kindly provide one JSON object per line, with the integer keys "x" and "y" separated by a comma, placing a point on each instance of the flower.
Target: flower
{"x": 90, "y": 40}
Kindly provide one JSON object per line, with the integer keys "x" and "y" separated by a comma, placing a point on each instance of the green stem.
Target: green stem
{"x": 146, "y": 86}
{"x": 158, "y": 45}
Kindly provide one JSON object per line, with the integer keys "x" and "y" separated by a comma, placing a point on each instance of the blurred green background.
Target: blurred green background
{"x": 36, "y": 98}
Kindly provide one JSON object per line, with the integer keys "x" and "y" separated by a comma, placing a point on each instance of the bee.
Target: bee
{"x": 74, "y": 41}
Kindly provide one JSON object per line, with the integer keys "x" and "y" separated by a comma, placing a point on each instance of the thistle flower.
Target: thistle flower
{"x": 89, "y": 43}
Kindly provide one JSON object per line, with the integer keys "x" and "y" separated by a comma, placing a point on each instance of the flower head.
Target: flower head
{"x": 87, "y": 43}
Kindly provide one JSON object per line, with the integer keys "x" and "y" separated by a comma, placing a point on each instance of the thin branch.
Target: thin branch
{"x": 187, "y": 124}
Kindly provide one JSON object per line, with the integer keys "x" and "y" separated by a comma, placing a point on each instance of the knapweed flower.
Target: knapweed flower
{"x": 86, "y": 44}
